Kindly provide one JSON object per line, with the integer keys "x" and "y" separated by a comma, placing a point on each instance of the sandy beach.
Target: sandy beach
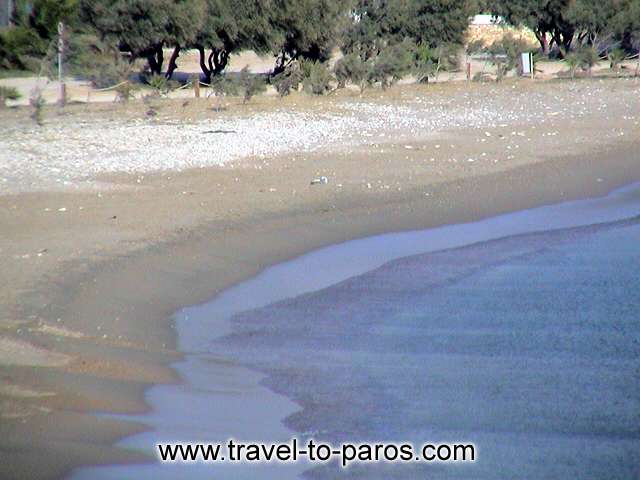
{"x": 113, "y": 219}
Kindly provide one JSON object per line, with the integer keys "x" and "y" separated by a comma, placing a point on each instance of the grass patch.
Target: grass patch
{"x": 16, "y": 74}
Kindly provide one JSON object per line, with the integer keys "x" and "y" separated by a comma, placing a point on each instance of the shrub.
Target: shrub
{"x": 90, "y": 58}
{"x": 588, "y": 57}
{"x": 20, "y": 48}
{"x": 429, "y": 62}
{"x": 124, "y": 91}
{"x": 37, "y": 102}
{"x": 8, "y": 93}
{"x": 481, "y": 77}
{"x": 350, "y": 68}
{"x": 318, "y": 78}
{"x": 584, "y": 57}
{"x": 616, "y": 57}
{"x": 251, "y": 84}
{"x": 572, "y": 59}
{"x": 288, "y": 80}
{"x": 474, "y": 47}
{"x": 222, "y": 86}
{"x": 160, "y": 85}
{"x": 505, "y": 53}
{"x": 502, "y": 66}
{"x": 391, "y": 65}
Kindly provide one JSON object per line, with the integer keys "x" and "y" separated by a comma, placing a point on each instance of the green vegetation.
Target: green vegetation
{"x": 429, "y": 61}
{"x": 584, "y": 57}
{"x": 251, "y": 84}
{"x": 289, "y": 79}
{"x": 317, "y": 77}
{"x": 124, "y": 91}
{"x": 572, "y": 59}
{"x": 34, "y": 33}
{"x": 561, "y": 25}
{"x": 8, "y": 93}
{"x": 160, "y": 85}
{"x": 616, "y": 57}
{"x": 381, "y": 40}
{"x": 37, "y": 103}
{"x": 391, "y": 64}
{"x": 351, "y": 69}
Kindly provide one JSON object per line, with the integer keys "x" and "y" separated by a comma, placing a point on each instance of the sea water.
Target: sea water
{"x": 528, "y": 347}
{"x": 520, "y": 334}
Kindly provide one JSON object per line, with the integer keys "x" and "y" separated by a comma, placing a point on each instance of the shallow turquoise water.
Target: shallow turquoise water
{"x": 527, "y": 346}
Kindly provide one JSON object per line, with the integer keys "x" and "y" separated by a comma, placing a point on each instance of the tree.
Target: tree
{"x": 592, "y": 18}
{"x": 626, "y": 24}
{"x": 305, "y": 29}
{"x": 230, "y": 26}
{"x": 438, "y": 22}
{"x": 546, "y": 18}
{"x": 35, "y": 27}
{"x": 144, "y": 27}
{"x": 373, "y": 25}
{"x": 377, "y": 24}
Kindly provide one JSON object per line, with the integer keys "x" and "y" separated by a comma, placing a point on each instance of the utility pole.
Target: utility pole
{"x": 10, "y": 12}
{"x": 60, "y": 54}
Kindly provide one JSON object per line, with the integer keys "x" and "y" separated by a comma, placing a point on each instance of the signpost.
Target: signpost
{"x": 61, "y": 100}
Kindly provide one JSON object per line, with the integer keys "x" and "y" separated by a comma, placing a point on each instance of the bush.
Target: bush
{"x": 90, "y": 58}
{"x": 318, "y": 78}
{"x": 572, "y": 59}
{"x": 37, "y": 102}
{"x": 288, "y": 80}
{"x": 251, "y": 84}
{"x": 588, "y": 57}
{"x": 429, "y": 62}
{"x": 352, "y": 69}
{"x": 391, "y": 65}
{"x": 505, "y": 54}
{"x": 8, "y": 93}
{"x": 160, "y": 85}
{"x": 584, "y": 57}
{"x": 124, "y": 91}
{"x": 222, "y": 86}
{"x": 20, "y": 48}
{"x": 616, "y": 57}
{"x": 34, "y": 33}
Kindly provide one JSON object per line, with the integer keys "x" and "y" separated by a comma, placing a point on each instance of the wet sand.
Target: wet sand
{"x": 95, "y": 287}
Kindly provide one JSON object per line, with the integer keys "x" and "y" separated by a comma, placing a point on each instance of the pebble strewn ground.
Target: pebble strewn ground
{"x": 65, "y": 153}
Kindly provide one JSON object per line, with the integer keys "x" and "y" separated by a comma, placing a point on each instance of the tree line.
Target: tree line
{"x": 380, "y": 39}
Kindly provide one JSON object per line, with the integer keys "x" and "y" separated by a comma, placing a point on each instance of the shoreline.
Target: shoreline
{"x": 132, "y": 290}
{"x": 208, "y": 379}
{"x": 276, "y": 257}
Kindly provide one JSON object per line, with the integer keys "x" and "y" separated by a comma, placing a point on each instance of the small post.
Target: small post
{"x": 533, "y": 67}
{"x": 468, "y": 71}
{"x": 60, "y": 53}
{"x": 196, "y": 86}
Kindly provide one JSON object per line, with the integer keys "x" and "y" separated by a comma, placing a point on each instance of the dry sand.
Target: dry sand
{"x": 92, "y": 271}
